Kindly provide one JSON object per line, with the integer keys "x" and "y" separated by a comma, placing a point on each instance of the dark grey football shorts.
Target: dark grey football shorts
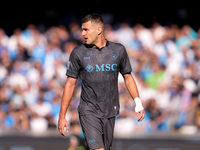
{"x": 98, "y": 131}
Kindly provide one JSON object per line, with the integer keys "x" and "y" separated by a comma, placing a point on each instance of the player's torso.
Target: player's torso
{"x": 98, "y": 71}
{"x": 99, "y": 65}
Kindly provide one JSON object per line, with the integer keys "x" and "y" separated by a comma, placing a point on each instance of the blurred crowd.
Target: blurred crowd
{"x": 165, "y": 62}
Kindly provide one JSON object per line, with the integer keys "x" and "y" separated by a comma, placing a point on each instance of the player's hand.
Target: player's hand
{"x": 141, "y": 115}
{"x": 62, "y": 123}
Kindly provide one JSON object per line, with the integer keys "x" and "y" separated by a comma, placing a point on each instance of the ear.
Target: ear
{"x": 99, "y": 30}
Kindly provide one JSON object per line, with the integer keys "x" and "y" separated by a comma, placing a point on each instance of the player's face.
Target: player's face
{"x": 89, "y": 32}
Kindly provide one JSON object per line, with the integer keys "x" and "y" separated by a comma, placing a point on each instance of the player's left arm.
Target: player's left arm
{"x": 133, "y": 90}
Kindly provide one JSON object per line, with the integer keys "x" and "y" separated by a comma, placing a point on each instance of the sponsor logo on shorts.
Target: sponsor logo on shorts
{"x": 91, "y": 141}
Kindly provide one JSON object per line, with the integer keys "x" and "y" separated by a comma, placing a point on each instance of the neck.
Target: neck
{"x": 100, "y": 43}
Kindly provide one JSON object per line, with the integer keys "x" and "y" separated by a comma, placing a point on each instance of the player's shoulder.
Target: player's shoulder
{"x": 78, "y": 49}
{"x": 117, "y": 48}
{"x": 116, "y": 45}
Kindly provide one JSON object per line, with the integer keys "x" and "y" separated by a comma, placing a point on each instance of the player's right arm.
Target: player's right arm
{"x": 66, "y": 98}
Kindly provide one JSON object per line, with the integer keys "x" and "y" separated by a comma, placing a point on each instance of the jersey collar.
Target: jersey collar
{"x": 92, "y": 46}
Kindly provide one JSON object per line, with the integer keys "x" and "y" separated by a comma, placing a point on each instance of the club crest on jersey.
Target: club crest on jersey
{"x": 91, "y": 141}
{"x": 113, "y": 56}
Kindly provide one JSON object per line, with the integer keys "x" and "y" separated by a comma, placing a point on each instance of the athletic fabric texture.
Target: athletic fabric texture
{"x": 98, "y": 131}
{"x": 98, "y": 70}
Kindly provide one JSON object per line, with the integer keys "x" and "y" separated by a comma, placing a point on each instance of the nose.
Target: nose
{"x": 83, "y": 33}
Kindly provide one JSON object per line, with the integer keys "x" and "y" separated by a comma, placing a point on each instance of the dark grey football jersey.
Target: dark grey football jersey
{"x": 98, "y": 70}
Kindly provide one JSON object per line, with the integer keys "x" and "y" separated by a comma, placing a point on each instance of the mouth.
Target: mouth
{"x": 86, "y": 39}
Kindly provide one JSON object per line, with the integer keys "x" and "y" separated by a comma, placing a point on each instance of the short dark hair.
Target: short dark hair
{"x": 94, "y": 18}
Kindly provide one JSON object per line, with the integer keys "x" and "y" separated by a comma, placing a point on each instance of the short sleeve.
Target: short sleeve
{"x": 73, "y": 66}
{"x": 125, "y": 66}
